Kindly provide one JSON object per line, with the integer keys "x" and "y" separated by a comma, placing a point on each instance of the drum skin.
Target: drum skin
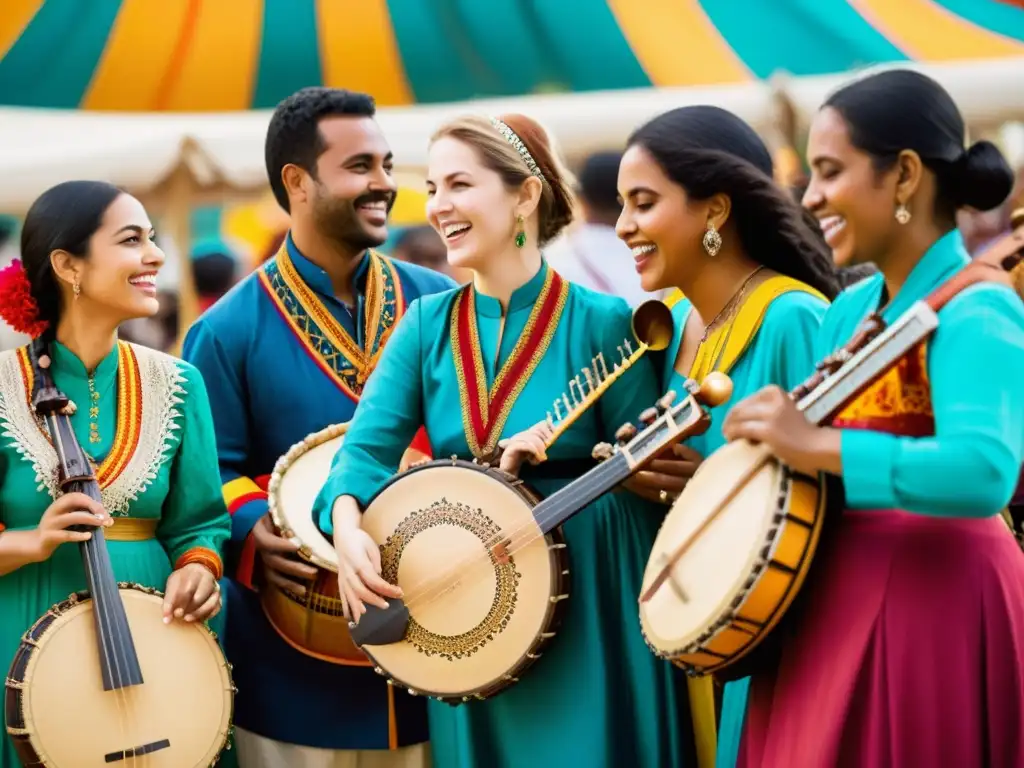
{"x": 741, "y": 575}
{"x": 58, "y": 714}
{"x": 478, "y": 621}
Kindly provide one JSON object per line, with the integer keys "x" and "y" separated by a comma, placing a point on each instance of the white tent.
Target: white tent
{"x": 222, "y": 153}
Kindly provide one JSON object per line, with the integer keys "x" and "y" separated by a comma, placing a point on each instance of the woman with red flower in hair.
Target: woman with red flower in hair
{"x": 142, "y": 417}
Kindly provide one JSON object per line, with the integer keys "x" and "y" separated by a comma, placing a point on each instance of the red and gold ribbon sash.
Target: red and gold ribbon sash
{"x": 129, "y": 411}
{"x": 325, "y": 340}
{"x": 484, "y": 413}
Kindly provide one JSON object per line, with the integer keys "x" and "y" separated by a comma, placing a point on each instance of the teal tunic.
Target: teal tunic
{"x": 598, "y": 697}
{"x": 781, "y": 352}
{"x": 970, "y": 467}
{"x": 171, "y": 477}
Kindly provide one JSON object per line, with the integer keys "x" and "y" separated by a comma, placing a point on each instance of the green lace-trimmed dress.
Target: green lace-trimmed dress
{"x": 157, "y": 459}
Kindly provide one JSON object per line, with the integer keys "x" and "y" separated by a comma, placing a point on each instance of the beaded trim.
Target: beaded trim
{"x": 519, "y": 146}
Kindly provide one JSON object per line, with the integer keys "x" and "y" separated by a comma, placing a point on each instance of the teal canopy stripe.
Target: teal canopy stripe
{"x": 999, "y": 17}
{"x": 52, "y": 62}
{"x": 801, "y": 37}
{"x": 289, "y": 56}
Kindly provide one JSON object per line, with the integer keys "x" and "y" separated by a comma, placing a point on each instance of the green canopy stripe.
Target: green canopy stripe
{"x": 289, "y": 55}
{"x": 801, "y": 37}
{"x": 53, "y": 60}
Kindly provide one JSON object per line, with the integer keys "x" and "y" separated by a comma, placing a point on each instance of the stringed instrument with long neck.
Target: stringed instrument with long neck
{"x": 738, "y": 543}
{"x": 142, "y": 692}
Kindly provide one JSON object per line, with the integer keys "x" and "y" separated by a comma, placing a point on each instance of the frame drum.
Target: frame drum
{"x": 314, "y": 624}
{"x": 741, "y": 573}
{"x": 58, "y": 714}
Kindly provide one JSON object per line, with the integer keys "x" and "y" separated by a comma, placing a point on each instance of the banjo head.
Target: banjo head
{"x": 476, "y": 620}
{"x": 705, "y": 582}
{"x": 297, "y": 479}
{"x": 63, "y": 717}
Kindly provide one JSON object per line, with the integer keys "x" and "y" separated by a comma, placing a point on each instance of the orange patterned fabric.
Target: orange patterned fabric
{"x": 898, "y": 403}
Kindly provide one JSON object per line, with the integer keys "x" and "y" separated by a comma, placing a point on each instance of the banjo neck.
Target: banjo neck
{"x": 675, "y": 421}
{"x": 119, "y": 662}
{"x": 844, "y": 375}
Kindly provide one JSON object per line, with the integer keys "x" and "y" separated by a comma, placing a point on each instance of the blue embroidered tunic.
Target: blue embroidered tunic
{"x": 282, "y": 358}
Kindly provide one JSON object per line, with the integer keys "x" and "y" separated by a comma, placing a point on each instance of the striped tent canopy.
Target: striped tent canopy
{"x": 220, "y": 55}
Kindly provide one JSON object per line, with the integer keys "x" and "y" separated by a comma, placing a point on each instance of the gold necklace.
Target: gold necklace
{"x": 730, "y": 303}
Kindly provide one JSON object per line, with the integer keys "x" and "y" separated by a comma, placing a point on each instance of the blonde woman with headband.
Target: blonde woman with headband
{"x": 597, "y": 697}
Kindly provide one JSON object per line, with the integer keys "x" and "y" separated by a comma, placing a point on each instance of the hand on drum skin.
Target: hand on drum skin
{"x": 280, "y": 567}
{"x": 192, "y": 594}
{"x": 70, "y": 509}
{"x": 526, "y": 446}
{"x": 772, "y": 418}
{"x": 666, "y": 476}
{"x": 412, "y": 458}
{"x": 359, "y": 579}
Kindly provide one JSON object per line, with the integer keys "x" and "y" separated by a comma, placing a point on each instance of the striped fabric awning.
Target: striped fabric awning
{"x": 203, "y": 55}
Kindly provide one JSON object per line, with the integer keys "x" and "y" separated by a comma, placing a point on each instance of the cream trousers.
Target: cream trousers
{"x": 259, "y": 752}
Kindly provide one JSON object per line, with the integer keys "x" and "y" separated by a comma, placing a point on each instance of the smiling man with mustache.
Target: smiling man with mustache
{"x": 284, "y": 354}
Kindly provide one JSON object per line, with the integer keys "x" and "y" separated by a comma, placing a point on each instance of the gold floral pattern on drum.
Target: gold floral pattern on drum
{"x": 444, "y": 512}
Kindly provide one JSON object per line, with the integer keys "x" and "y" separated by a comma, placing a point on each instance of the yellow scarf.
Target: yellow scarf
{"x": 719, "y": 352}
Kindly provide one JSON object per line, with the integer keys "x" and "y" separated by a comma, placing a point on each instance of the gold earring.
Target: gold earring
{"x": 902, "y": 214}
{"x": 76, "y": 287}
{"x": 521, "y": 234}
{"x": 712, "y": 241}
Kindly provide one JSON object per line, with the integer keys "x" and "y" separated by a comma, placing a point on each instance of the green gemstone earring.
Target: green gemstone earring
{"x": 521, "y": 234}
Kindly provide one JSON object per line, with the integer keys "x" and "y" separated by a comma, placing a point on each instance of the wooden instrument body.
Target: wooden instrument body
{"x": 312, "y": 624}
{"x": 58, "y": 714}
{"x": 743, "y": 572}
{"x": 472, "y": 635}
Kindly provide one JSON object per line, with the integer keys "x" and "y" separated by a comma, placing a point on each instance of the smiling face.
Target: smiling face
{"x": 659, "y": 222}
{"x": 118, "y": 279}
{"x": 854, "y": 202}
{"x": 353, "y": 191}
{"x": 468, "y": 204}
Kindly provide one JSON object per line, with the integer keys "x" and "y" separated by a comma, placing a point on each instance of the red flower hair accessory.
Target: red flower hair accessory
{"x": 17, "y": 307}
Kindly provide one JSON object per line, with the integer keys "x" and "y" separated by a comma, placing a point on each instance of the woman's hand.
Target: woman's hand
{"x": 666, "y": 476}
{"x": 359, "y": 579}
{"x": 526, "y": 446}
{"x": 69, "y": 510}
{"x": 772, "y": 418}
{"x": 192, "y": 594}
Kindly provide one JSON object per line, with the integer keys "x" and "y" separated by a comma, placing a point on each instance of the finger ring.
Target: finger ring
{"x": 663, "y": 495}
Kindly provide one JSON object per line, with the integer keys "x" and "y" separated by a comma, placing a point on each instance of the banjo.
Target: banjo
{"x": 482, "y": 562}
{"x": 99, "y": 679}
{"x": 737, "y": 545}
{"x": 314, "y": 624}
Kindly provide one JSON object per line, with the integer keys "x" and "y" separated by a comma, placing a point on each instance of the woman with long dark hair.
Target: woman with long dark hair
{"x": 909, "y": 649}
{"x": 702, "y": 213}
{"x": 142, "y": 417}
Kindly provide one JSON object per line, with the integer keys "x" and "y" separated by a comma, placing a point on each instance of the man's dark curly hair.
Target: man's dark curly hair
{"x": 293, "y": 136}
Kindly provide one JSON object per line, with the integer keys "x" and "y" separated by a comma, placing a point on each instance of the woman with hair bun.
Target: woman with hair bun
{"x": 142, "y": 417}
{"x": 910, "y": 647}
{"x": 702, "y": 213}
{"x": 597, "y": 697}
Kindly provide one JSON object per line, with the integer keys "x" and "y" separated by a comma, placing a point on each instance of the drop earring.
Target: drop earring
{"x": 76, "y": 287}
{"x": 712, "y": 241}
{"x": 521, "y": 234}
{"x": 902, "y": 214}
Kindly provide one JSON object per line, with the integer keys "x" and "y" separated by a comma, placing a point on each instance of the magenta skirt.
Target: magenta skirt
{"x": 910, "y": 652}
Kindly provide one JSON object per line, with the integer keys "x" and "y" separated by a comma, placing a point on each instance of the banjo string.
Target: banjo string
{"x": 432, "y": 588}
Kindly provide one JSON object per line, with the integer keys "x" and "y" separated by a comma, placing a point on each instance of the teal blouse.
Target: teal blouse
{"x": 970, "y": 467}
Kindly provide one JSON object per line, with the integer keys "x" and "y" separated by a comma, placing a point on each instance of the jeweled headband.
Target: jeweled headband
{"x": 519, "y": 146}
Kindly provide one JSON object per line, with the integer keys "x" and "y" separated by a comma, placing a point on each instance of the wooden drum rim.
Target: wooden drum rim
{"x": 282, "y": 465}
